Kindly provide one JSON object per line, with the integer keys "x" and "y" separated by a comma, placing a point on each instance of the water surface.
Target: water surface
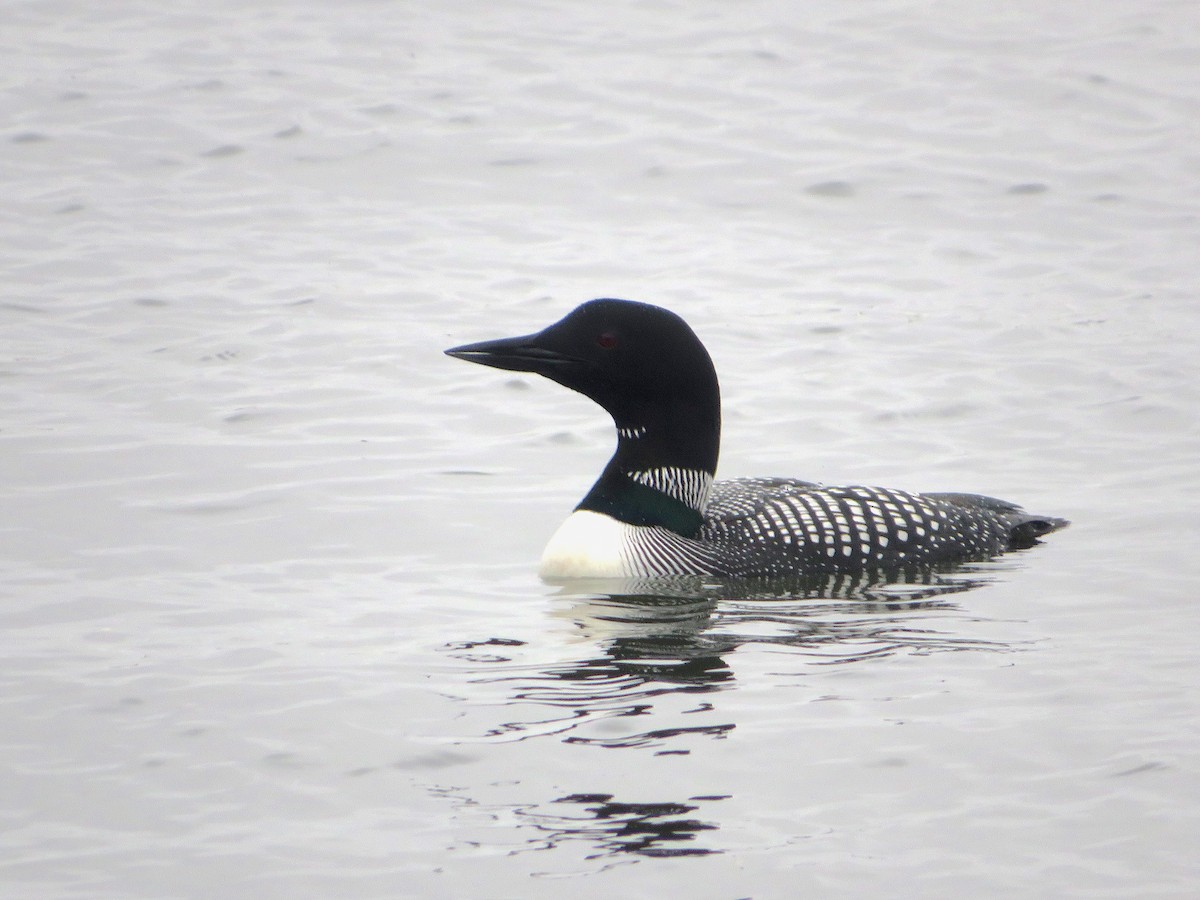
{"x": 269, "y": 618}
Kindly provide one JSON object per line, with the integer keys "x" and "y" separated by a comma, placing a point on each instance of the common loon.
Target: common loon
{"x": 656, "y": 511}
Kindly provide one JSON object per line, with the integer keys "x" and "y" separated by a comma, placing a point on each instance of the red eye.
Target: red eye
{"x": 607, "y": 340}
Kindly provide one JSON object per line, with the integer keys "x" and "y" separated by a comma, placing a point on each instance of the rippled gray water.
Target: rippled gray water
{"x": 269, "y": 619}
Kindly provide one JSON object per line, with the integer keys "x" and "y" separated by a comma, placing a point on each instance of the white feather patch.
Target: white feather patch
{"x": 587, "y": 545}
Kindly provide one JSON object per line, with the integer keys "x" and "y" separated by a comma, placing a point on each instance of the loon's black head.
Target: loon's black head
{"x": 640, "y": 362}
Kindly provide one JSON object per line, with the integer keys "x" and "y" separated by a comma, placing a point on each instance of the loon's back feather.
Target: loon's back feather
{"x": 774, "y": 526}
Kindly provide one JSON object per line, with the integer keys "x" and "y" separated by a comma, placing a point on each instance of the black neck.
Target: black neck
{"x": 685, "y": 439}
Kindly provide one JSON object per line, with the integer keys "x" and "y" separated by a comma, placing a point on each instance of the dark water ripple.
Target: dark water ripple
{"x": 614, "y": 827}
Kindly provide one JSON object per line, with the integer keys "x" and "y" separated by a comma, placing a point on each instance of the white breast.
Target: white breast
{"x": 588, "y": 545}
{"x": 593, "y": 545}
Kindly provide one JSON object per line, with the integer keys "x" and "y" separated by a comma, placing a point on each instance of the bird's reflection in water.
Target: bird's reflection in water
{"x": 668, "y": 624}
{"x": 657, "y": 648}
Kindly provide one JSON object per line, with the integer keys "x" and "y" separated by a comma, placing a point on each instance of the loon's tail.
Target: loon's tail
{"x": 1024, "y": 528}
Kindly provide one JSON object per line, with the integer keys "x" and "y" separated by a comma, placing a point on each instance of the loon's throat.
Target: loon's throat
{"x": 669, "y": 497}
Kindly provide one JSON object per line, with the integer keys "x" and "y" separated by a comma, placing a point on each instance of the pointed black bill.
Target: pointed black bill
{"x": 519, "y": 354}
